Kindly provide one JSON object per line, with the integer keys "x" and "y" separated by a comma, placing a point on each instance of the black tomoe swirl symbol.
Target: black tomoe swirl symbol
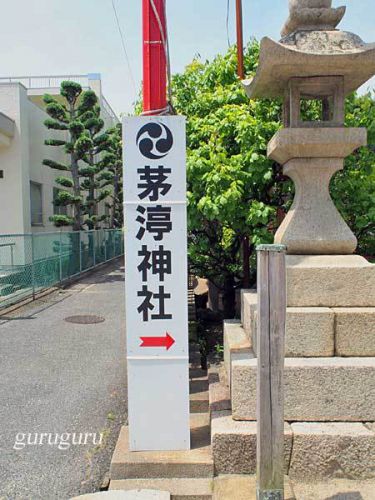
{"x": 154, "y": 140}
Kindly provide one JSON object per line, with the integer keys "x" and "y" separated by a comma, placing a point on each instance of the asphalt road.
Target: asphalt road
{"x": 59, "y": 378}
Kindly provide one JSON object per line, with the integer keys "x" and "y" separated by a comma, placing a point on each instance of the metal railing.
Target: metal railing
{"x": 41, "y": 82}
{"x": 54, "y": 81}
{"x": 109, "y": 110}
{"x": 31, "y": 263}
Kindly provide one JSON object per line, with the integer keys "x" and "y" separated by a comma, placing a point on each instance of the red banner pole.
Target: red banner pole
{"x": 154, "y": 58}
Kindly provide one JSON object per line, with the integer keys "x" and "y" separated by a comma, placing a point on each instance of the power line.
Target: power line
{"x": 124, "y": 47}
{"x": 228, "y": 12}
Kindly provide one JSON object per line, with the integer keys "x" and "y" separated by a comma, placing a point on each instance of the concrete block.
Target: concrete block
{"x": 194, "y": 463}
{"x": 330, "y": 281}
{"x": 138, "y": 494}
{"x": 355, "y": 331}
{"x": 236, "y": 344}
{"x": 179, "y": 489}
{"x": 218, "y": 392}
{"x": 335, "y": 489}
{"x": 332, "y": 450}
{"x": 249, "y": 300}
{"x": 316, "y": 389}
{"x": 309, "y": 332}
{"x": 243, "y": 487}
{"x": 234, "y": 444}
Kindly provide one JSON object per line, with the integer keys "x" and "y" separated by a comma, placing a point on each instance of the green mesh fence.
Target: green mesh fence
{"x": 30, "y": 263}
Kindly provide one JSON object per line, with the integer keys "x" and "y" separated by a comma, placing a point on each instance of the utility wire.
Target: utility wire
{"x": 124, "y": 47}
{"x": 228, "y": 12}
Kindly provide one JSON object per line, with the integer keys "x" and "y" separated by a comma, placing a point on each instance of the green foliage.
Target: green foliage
{"x": 112, "y": 168}
{"x": 55, "y": 165}
{"x": 65, "y": 198}
{"x": 54, "y": 142}
{"x": 64, "y": 181}
{"x": 61, "y": 220}
{"x": 78, "y": 112}
{"x": 234, "y": 190}
{"x": 55, "y": 125}
{"x": 71, "y": 91}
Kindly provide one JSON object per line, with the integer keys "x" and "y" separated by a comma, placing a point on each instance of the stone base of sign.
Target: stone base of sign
{"x": 194, "y": 463}
{"x": 179, "y": 489}
{"x": 234, "y": 444}
{"x": 316, "y": 389}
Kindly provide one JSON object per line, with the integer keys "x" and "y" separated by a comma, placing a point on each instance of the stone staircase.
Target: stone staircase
{"x": 329, "y": 375}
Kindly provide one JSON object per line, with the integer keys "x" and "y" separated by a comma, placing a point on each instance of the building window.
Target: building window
{"x": 58, "y": 209}
{"x": 36, "y": 202}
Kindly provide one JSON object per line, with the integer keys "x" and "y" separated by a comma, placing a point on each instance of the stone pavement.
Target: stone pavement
{"x": 58, "y": 377}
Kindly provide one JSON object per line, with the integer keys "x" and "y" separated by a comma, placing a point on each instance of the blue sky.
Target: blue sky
{"x": 80, "y": 36}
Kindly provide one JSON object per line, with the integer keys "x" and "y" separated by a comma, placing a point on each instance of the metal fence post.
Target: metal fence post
{"x": 270, "y": 371}
{"x": 93, "y": 246}
{"x": 105, "y": 245}
{"x": 80, "y": 251}
{"x": 32, "y": 265}
{"x": 60, "y": 258}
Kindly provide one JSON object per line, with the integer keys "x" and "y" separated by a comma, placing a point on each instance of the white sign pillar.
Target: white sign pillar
{"x": 156, "y": 282}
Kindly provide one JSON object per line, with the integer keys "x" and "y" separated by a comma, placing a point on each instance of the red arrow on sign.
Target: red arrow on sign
{"x": 166, "y": 341}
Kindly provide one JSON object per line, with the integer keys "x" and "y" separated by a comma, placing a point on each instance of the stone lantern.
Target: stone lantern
{"x": 313, "y": 61}
{"x": 329, "y": 367}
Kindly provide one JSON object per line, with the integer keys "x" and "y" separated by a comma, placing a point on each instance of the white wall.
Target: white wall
{"x": 14, "y": 192}
{"x": 22, "y": 162}
{"x": 38, "y": 151}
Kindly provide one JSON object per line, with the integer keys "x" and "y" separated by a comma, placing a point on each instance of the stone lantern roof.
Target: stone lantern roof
{"x": 311, "y": 47}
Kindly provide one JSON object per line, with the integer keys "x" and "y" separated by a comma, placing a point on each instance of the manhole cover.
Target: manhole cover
{"x": 85, "y": 319}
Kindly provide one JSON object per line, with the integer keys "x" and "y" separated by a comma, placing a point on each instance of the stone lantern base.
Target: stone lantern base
{"x": 329, "y": 374}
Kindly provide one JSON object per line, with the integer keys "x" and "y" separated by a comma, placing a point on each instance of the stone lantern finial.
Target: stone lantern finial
{"x": 312, "y": 15}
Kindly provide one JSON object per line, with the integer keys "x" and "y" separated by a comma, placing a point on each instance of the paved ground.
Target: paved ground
{"x": 57, "y": 377}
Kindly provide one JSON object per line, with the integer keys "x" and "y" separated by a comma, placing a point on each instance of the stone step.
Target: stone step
{"x": 318, "y": 331}
{"x": 309, "y": 332}
{"x": 332, "y": 450}
{"x": 313, "y": 450}
{"x": 355, "y": 331}
{"x": 330, "y": 281}
{"x": 249, "y": 301}
{"x": 316, "y": 389}
{"x": 234, "y": 444}
{"x": 244, "y": 487}
{"x": 179, "y": 489}
{"x": 237, "y": 345}
{"x": 133, "y": 494}
{"x": 194, "y": 463}
{"x": 218, "y": 392}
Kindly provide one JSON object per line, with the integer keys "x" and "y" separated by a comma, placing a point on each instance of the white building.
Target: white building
{"x": 27, "y": 187}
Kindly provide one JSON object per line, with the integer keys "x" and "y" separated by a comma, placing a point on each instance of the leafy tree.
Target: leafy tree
{"x": 234, "y": 190}
{"x": 67, "y": 115}
{"x": 112, "y": 161}
{"x": 96, "y": 178}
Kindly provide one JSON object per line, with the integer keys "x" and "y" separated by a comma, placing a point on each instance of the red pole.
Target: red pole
{"x": 154, "y": 59}
{"x": 239, "y": 24}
